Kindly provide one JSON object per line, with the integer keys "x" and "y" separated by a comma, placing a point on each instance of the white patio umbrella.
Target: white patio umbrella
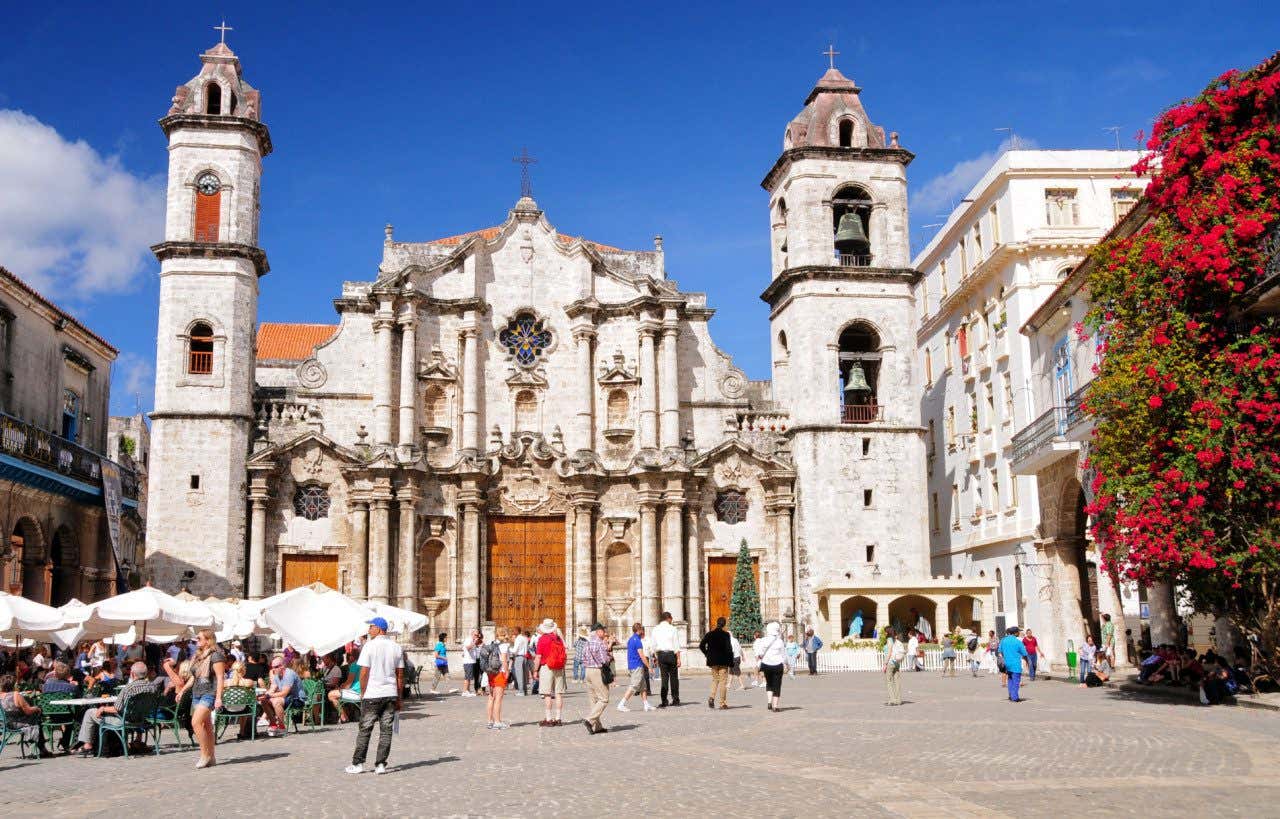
{"x": 315, "y": 618}
{"x": 401, "y": 621}
{"x": 21, "y": 619}
{"x": 159, "y": 617}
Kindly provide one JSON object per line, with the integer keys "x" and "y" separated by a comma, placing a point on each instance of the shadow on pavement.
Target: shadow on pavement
{"x": 422, "y": 763}
{"x": 1157, "y": 696}
{"x": 16, "y": 767}
{"x": 613, "y": 729}
{"x": 255, "y": 758}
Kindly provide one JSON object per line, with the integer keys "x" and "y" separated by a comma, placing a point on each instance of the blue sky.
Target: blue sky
{"x": 645, "y": 118}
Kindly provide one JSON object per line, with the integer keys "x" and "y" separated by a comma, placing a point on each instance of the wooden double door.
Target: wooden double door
{"x": 720, "y": 573}
{"x": 303, "y": 570}
{"x": 526, "y": 572}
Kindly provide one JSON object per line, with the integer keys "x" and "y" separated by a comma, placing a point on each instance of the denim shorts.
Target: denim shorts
{"x": 204, "y": 699}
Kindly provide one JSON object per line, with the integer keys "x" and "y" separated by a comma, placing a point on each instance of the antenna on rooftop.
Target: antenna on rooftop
{"x": 1115, "y": 131}
{"x": 1014, "y": 142}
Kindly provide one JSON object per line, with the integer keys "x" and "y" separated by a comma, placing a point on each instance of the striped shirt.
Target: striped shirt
{"x": 596, "y": 652}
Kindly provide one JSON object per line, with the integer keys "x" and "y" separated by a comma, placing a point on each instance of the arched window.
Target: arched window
{"x": 200, "y": 349}
{"x": 213, "y": 98}
{"x": 526, "y": 411}
{"x": 208, "y": 207}
{"x": 999, "y": 590}
{"x": 617, "y": 571}
{"x": 851, "y": 226}
{"x": 846, "y": 133}
{"x": 619, "y": 410}
{"x": 311, "y": 501}
{"x": 435, "y": 410}
{"x": 859, "y": 362}
{"x": 70, "y": 415}
{"x": 433, "y": 570}
{"x": 731, "y": 506}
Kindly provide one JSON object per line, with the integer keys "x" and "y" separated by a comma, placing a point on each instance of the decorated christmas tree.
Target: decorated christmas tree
{"x": 744, "y": 605}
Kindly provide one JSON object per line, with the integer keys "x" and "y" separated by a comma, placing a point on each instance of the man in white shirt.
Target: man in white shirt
{"x": 381, "y": 684}
{"x": 519, "y": 652}
{"x": 666, "y": 642}
{"x": 913, "y": 648}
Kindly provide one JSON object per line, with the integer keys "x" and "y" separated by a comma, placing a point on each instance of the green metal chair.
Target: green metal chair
{"x": 9, "y": 730}
{"x": 238, "y": 702}
{"x": 54, "y": 717}
{"x": 314, "y": 698}
{"x": 135, "y": 717}
{"x": 174, "y": 717}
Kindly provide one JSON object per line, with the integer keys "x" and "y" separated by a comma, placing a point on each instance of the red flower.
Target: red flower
{"x": 1155, "y": 402}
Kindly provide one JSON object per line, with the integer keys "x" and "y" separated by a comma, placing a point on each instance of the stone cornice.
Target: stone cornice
{"x": 211, "y": 122}
{"x": 899, "y": 155}
{"x": 782, "y": 285}
{"x": 213, "y": 250}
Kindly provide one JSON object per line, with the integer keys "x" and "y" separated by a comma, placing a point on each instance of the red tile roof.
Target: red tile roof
{"x": 488, "y": 234}
{"x": 291, "y": 342}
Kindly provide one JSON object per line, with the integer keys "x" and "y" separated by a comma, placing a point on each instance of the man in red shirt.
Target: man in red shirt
{"x": 1033, "y": 652}
{"x": 548, "y": 663}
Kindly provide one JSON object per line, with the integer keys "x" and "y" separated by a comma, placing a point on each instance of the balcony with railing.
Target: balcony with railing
{"x": 1042, "y": 442}
{"x": 1079, "y": 422}
{"x": 54, "y": 459}
{"x": 861, "y": 413}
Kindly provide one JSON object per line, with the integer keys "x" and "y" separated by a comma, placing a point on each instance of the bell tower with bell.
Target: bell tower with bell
{"x": 843, "y": 336}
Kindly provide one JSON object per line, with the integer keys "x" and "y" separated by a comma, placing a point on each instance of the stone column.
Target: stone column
{"x": 383, "y": 321}
{"x": 585, "y": 432}
{"x": 359, "y": 587}
{"x": 882, "y": 614}
{"x": 408, "y": 377}
{"x": 694, "y": 572}
{"x": 786, "y": 567}
{"x": 1109, "y": 603}
{"x": 258, "y": 546}
{"x": 941, "y": 616}
{"x": 1164, "y": 618}
{"x": 407, "y": 550}
{"x": 648, "y": 387}
{"x": 469, "y": 562}
{"x": 583, "y": 557}
{"x": 670, "y": 393}
{"x": 673, "y": 556}
{"x": 470, "y": 390}
{"x": 649, "y": 556}
{"x": 379, "y": 541}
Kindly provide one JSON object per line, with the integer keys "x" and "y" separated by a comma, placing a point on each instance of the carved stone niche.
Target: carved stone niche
{"x": 618, "y": 386}
{"x": 439, "y": 396}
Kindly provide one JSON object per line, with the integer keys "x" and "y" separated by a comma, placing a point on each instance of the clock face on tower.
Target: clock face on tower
{"x": 208, "y": 184}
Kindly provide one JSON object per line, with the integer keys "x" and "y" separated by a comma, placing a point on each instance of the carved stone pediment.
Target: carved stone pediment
{"x": 437, "y": 369}
{"x": 528, "y": 490}
{"x": 618, "y": 374}
{"x": 531, "y": 377}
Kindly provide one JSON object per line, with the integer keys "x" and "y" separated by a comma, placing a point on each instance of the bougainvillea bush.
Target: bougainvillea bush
{"x": 1186, "y": 400}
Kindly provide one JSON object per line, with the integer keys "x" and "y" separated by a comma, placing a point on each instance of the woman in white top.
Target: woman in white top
{"x": 773, "y": 657}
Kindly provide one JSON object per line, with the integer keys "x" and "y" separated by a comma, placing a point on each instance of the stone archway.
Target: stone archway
{"x": 1080, "y": 586}
{"x": 850, "y": 608}
{"x": 27, "y": 541}
{"x": 900, "y": 611}
{"x": 961, "y": 613}
{"x": 64, "y": 556}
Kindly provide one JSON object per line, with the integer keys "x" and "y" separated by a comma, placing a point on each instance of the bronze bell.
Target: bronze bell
{"x": 851, "y": 239}
{"x": 856, "y": 382}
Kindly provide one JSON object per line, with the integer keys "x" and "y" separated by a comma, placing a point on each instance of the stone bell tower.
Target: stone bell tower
{"x": 843, "y": 330}
{"x": 210, "y": 264}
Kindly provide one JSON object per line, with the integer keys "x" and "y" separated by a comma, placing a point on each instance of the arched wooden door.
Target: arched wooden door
{"x": 526, "y": 571}
{"x": 720, "y": 573}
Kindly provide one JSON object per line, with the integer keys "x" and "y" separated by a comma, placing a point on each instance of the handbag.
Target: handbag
{"x": 606, "y": 673}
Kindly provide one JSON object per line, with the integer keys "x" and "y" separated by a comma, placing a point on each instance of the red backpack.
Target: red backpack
{"x": 555, "y": 656}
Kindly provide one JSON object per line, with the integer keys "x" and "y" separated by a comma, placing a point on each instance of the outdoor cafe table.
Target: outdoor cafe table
{"x": 85, "y": 702}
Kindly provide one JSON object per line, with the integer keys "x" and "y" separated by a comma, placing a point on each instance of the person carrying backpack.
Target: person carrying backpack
{"x": 494, "y": 660}
{"x": 548, "y": 662}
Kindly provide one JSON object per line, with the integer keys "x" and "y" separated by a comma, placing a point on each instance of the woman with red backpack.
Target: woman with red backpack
{"x": 548, "y": 663}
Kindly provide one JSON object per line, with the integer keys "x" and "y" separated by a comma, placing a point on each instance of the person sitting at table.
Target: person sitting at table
{"x": 256, "y": 668}
{"x": 138, "y": 683}
{"x": 21, "y": 714}
{"x": 348, "y": 689}
{"x": 58, "y": 680}
{"x": 284, "y": 691}
{"x": 236, "y": 676}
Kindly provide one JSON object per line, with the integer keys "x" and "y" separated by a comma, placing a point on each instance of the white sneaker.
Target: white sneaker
{"x": 499, "y": 726}
{"x": 381, "y": 769}
{"x": 649, "y": 707}
{"x": 355, "y": 769}
{"x": 622, "y": 706}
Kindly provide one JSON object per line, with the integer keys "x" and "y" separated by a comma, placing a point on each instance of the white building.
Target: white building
{"x": 514, "y": 423}
{"x": 1023, "y": 227}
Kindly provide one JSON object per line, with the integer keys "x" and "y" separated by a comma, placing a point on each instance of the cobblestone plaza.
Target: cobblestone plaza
{"x": 955, "y": 748}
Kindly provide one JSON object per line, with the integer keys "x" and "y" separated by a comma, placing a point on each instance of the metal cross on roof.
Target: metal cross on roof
{"x": 526, "y": 184}
{"x": 224, "y": 28}
{"x": 831, "y": 54}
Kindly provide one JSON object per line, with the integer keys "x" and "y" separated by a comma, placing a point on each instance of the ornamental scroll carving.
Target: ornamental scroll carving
{"x": 312, "y": 374}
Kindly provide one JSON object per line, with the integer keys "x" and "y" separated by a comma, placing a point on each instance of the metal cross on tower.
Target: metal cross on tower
{"x": 526, "y": 184}
{"x": 224, "y": 28}
{"x": 831, "y": 54}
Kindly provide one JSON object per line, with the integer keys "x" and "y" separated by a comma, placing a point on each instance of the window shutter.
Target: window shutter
{"x": 208, "y": 211}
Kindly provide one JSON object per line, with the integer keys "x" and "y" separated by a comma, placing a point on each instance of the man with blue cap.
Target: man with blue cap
{"x": 381, "y": 685}
{"x": 1014, "y": 652}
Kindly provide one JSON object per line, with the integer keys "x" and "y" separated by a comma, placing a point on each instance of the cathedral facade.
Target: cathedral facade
{"x": 513, "y": 423}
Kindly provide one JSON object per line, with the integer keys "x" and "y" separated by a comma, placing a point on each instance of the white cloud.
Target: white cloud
{"x": 73, "y": 223}
{"x": 133, "y": 376}
{"x": 939, "y": 195}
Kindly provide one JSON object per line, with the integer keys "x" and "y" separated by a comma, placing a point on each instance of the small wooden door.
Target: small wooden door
{"x": 526, "y": 570}
{"x": 302, "y": 570}
{"x": 720, "y": 572}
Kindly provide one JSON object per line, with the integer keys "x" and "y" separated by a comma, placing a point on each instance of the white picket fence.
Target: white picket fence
{"x": 869, "y": 659}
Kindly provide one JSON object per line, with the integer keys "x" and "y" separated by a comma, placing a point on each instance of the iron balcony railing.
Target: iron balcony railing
{"x": 854, "y": 259}
{"x": 1039, "y": 433}
{"x": 43, "y": 448}
{"x": 861, "y": 413}
{"x": 1075, "y": 407}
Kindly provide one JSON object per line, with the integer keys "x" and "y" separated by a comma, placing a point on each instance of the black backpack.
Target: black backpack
{"x": 972, "y": 645}
{"x": 489, "y": 658}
